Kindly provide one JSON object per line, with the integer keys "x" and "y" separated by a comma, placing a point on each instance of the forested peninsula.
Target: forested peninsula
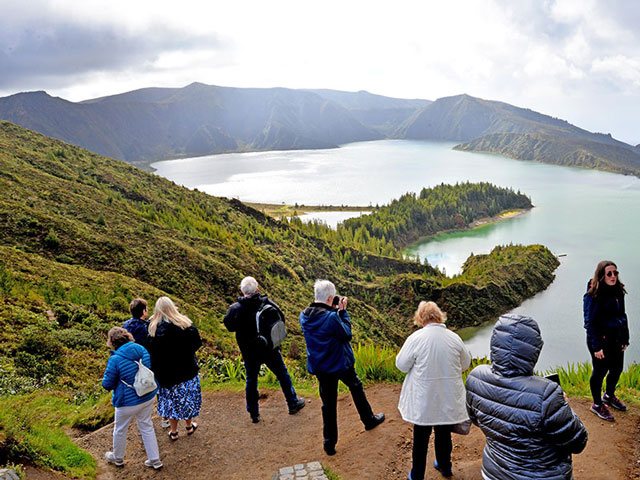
{"x": 434, "y": 210}
{"x": 81, "y": 235}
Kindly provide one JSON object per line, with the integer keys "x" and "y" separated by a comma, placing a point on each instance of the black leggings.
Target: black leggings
{"x": 612, "y": 363}
{"x": 442, "y": 443}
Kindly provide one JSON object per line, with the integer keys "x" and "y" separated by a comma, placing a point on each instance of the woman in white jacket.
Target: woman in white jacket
{"x": 433, "y": 394}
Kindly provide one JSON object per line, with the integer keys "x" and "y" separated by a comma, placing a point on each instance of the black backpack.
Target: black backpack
{"x": 270, "y": 325}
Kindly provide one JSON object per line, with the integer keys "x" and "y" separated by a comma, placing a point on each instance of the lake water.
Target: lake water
{"x": 586, "y": 215}
{"x": 332, "y": 219}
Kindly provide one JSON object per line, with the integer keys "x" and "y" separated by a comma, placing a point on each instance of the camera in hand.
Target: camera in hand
{"x": 554, "y": 377}
{"x": 335, "y": 301}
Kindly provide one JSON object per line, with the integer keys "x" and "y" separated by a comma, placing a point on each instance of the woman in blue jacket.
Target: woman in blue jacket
{"x": 119, "y": 377}
{"x": 605, "y": 320}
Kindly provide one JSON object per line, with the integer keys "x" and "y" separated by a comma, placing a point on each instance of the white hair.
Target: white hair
{"x": 323, "y": 289}
{"x": 248, "y": 285}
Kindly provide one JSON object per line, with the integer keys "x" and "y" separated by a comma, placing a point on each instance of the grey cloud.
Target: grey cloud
{"x": 626, "y": 13}
{"x": 34, "y": 51}
{"x": 534, "y": 18}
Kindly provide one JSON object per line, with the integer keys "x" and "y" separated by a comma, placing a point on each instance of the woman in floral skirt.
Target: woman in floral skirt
{"x": 173, "y": 342}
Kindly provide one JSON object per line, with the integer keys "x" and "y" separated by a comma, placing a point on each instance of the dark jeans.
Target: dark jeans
{"x": 328, "y": 385}
{"x": 442, "y": 442}
{"x": 273, "y": 360}
{"x": 613, "y": 363}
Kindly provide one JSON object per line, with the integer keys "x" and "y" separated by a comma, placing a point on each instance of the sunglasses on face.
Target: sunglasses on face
{"x": 613, "y": 273}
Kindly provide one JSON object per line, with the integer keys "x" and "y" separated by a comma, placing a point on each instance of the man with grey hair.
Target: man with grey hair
{"x": 327, "y": 331}
{"x": 241, "y": 318}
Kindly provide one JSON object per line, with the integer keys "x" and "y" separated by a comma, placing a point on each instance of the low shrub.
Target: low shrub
{"x": 39, "y": 355}
{"x": 75, "y": 338}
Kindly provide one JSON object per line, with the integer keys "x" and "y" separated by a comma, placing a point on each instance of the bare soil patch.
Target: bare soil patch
{"x": 227, "y": 446}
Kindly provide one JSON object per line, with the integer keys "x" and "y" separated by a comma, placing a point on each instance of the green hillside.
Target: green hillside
{"x": 519, "y": 133}
{"x": 558, "y": 151}
{"x": 73, "y": 209}
{"x": 80, "y": 235}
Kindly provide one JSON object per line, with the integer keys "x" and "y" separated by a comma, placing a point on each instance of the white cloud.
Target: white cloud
{"x": 626, "y": 71}
{"x": 549, "y": 55}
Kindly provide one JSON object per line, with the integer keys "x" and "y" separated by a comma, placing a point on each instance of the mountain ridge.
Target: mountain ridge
{"x": 151, "y": 124}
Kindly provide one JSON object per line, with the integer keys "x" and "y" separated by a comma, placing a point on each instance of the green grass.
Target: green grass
{"x": 331, "y": 475}
{"x": 574, "y": 379}
{"x": 32, "y": 431}
{"x": 376, "y": 363}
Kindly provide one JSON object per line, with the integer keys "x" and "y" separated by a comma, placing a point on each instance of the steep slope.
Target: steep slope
{"x": 463, "y": 117}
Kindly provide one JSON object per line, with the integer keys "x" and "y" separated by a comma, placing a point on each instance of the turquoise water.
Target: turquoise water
{"x": 586, "y": 215}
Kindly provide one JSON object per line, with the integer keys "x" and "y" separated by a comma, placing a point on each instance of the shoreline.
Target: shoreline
{"x": 505, "y": 215}
{"x": 278, "y": 210}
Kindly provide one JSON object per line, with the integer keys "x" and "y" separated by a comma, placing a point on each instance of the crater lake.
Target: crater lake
{"x": 582, "y": 215}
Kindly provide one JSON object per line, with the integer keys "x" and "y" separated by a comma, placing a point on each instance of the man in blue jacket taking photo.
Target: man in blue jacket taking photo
{"x": 327, "y": 332}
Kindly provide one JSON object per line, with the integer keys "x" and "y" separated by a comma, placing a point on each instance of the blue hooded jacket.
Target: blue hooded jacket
{"x": 122, "y": 366}
{"x": 139, "y": 328}
{"x": 327, "y": 333}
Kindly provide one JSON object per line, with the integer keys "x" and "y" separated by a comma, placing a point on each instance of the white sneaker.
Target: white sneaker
{"x": 165, "y": 423}
{"x": 155, "y": 464}
{"x": 111, "y": 458}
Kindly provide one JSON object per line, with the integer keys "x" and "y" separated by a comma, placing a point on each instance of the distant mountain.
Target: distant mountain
{"x": 464, "y": 118}
{"x": 519, "y": 133}
{"x": 382, "y": 113}
{"x": 153, "y": 124}
{"x": 159, "y": 123}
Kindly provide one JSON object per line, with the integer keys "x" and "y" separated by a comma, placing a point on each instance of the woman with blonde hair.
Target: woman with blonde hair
{"x": 433, "y": 394}
{"x": 173, "y": 342}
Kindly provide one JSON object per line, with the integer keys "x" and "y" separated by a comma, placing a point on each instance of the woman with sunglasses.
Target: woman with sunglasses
{"x": 607, "y": 336}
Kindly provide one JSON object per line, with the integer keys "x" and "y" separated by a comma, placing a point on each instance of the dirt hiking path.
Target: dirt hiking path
{"x": 227, "y": 446}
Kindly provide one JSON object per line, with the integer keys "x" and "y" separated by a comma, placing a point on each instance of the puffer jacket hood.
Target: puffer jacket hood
{"x": 530, "y": 428}
{"x": 515, "y": 346}
{"x": 131, "y": 351}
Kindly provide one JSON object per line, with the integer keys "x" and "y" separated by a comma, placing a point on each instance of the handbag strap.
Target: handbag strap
{"x": 137, "y": 362}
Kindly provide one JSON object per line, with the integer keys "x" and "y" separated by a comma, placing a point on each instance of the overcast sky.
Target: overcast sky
{"x": 574, "y": 59}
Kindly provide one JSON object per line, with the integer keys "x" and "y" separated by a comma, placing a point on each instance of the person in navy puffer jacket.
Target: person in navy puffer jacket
{"x": 327, "y": 331}
{"x": 530, "y": 428}
{"x": 605, "y": 321}
{"x": 121, "y": 368}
